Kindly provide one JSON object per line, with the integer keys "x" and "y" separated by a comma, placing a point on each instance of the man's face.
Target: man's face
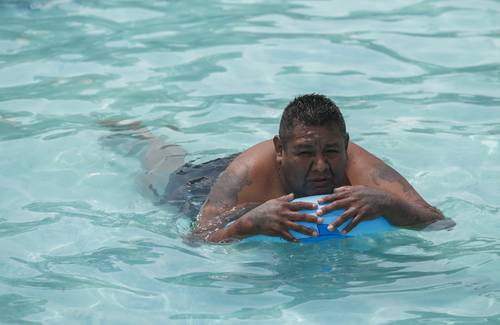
{"x": 314, "y": 160}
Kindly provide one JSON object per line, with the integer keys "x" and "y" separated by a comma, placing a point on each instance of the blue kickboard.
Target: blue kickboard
{"x": 377, "y": 225}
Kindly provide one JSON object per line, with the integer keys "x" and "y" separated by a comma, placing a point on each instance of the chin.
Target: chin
{"x": 318, "y": 191}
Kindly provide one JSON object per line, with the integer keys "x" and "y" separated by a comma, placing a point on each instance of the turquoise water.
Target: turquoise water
{"x": 418, "y": 82}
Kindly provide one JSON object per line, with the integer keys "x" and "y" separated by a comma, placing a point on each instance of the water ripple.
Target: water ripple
{"x": 14, "y": 228}
{"x": 150, "y": 221}
{"x": 417, "y": 81}
{"x": 14, "y": 308}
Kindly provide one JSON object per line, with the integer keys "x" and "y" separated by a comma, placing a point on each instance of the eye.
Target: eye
{"x": 304, "y": 153}
{"x": 331, "y": 151}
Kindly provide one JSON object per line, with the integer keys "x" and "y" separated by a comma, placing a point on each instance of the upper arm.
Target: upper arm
{"x": 363, "y": 168}
{"x": 225, "y": 193}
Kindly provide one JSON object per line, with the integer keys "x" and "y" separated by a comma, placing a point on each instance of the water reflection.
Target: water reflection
{"x": 331, "y": 271}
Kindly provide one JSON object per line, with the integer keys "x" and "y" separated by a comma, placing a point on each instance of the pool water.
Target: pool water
{"x": 418, "y": 82}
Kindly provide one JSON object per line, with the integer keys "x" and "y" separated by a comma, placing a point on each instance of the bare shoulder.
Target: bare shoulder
{"x": 364, "y": 168}
{"x": 358, "y": 155}
{"x": 259, "y": 162}
{"x": 245, "y": 180}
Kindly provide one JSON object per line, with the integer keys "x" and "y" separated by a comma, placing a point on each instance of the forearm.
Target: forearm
{"x": 406, "y": 213}
{"x": 220, "y": 228}
{"x": 220, "y": 234}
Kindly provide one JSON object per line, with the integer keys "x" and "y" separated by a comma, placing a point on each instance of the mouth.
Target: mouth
{"x": 321, "y": 182}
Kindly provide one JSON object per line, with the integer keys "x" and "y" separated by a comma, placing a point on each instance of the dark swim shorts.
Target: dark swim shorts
{"x": 188, "y": 186}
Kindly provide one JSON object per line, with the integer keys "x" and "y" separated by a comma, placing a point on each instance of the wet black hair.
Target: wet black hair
{"x": 310, "y": 110}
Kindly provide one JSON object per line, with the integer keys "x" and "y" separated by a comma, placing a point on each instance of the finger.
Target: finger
{"x": 296, "y": 206}
{"x": 343, "y": 203}
{"x": 287, "y": 197}
{"x": 287, "y": 236}
{"x": 349, "y": 213}
{"x": 333, "y": 197}
{"x": 326, "y": 198}
{"x": 354, "y": 222}
{"x": 302, "y": 229}
{"x": 306, "y": 217}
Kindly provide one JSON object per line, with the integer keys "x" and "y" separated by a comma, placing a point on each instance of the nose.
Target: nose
{"x": 319, "y": 164}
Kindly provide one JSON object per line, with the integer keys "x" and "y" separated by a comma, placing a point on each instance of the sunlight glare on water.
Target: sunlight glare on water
{"x": 417, "y": 81}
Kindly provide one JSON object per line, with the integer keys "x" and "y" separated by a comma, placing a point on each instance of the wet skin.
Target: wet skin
{"x": 256, "y": 189}
{"x": 313, "y": 160}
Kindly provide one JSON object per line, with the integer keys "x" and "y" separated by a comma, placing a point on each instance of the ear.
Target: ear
{"x": 278, "y": 148}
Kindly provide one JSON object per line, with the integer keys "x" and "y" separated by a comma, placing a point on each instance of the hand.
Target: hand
{"x": 361, "y": 203}
{"x": 276, "y": 218}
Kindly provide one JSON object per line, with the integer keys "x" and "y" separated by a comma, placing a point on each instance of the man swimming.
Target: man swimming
{"x": 311, "y": 155}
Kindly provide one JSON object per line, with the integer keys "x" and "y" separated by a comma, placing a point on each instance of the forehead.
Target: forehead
{"x": 326, "y": 134}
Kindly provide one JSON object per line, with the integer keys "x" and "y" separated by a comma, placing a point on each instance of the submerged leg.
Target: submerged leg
{"x": 158, "y": 158}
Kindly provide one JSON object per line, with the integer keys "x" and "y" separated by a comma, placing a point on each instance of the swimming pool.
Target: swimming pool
{"x": 417, "y": 81}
